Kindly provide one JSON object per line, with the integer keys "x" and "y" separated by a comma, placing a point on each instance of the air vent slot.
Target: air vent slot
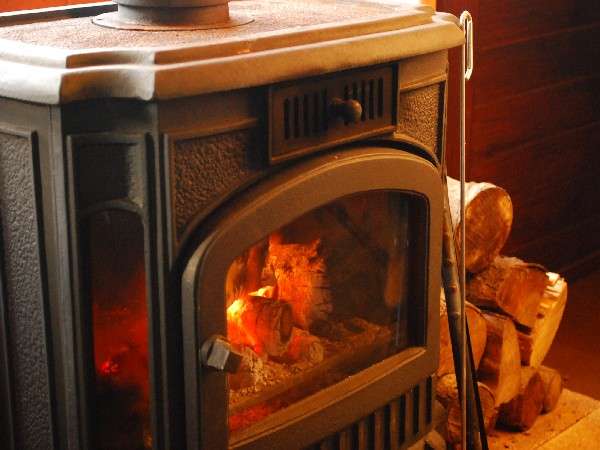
{"x": 300, "y": 114}
{"x": 416, "y": 404}
{"x": 392, "y": 427}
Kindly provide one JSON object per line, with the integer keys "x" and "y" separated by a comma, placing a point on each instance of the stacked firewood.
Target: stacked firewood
{"x": 514, "y": 310}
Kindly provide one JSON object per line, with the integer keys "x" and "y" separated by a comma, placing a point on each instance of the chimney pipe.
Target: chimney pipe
{"x": 165, "y": 15}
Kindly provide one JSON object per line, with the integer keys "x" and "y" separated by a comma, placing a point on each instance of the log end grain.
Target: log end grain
{"x": 521, "y": 412}
{"x": 500, "y": 365}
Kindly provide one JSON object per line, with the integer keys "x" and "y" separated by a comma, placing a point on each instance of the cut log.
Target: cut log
{"x": 552, "y": 387}
{"x": 499, "y": 368}
{"x": 511, "y": 286}
{"x": 299, "y": 273}
{"x": 488, "y": 216}
{"x": 520, "y": 413}
{"x": 535, "y": 344}
{"x": 478, "y": 333}
{"x": 303, "y": 347}
{"x": 447, "y": 394}
{"x": 262, "y": 323}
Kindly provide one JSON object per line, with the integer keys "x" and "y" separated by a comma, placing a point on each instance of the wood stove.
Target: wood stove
{"x": 221, "y": 237}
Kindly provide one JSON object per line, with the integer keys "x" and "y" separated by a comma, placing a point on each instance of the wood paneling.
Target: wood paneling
{"x": 533, "y": 122}
{"x": 506, "y": 21}
{"x": 526, "y": 65}
{"x": 535, "y": 114}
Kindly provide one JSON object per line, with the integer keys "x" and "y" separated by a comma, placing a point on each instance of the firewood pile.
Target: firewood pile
{"x": 514, "y": 310}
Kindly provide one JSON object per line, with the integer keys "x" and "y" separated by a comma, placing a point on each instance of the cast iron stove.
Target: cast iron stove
{"x": 221, "y": 224}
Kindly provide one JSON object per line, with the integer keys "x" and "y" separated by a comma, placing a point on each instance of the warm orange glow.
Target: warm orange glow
{"x": 265, "y": 291}
{"x": 238, "y": 332}
{"x": 121, "y": 337}
{"x": 235, "y": 309}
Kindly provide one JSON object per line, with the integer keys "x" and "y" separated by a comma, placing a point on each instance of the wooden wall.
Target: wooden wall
{"x": 534, "y": 122}
{"x": 13, "y": 5}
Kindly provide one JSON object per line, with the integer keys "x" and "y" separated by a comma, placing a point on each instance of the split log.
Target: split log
{"x": 478, "y": 333}
{"x": 262, "y": 323}
{"x": 447, "y": 394}
{"x": 499, "y": 368}
{"x": 512, "y": 286}
{"x": 520, "y": 413}
{"x": 303, "y": 347}
{"x": 552, "y": 387}
{"x": 299, "y": 273}
{"x": 488, "y": 216}
{"x": 250, "y": 372}
{"x": 535, "y": 344}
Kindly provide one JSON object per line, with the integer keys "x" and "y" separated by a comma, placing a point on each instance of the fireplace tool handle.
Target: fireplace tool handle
{"x": 455, "y": 279}
{"x": 466, "y": 23}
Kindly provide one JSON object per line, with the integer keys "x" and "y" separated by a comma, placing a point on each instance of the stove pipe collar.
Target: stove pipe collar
{"x": 165, "y": 15}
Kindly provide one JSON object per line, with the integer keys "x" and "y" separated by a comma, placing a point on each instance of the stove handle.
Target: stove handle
{"x": 350, "y": 110}
{"x": 217, "y": 353}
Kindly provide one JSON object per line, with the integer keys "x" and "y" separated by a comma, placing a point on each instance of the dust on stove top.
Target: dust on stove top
{"x": 268, "y": 15}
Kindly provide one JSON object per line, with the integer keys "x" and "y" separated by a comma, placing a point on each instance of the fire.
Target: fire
{"x": 260, "y": 322}
{"x": 121, "y": 337}
{"x": 235, "y": 310}
{"x": 238, "y": 331}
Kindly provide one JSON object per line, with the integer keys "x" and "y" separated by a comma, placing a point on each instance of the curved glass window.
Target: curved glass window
{"x": 319, "y": 300}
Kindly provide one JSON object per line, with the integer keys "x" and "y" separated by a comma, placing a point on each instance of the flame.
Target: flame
{"x": 235, "y": 309}
{"x": 266, "y": 291}
{"x": 237, "y": 332}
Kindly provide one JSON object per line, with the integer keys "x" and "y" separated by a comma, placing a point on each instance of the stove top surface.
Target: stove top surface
{"x": 58, "y": 55}
{"x": 269, "y": 16}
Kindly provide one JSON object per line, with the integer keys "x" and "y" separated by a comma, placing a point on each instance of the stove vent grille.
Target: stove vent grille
{"x": 301, "y": 118}
{"x": 395, "y": 426}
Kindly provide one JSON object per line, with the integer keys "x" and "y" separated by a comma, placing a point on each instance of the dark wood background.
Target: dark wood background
{"x": 533, "y": 122}
{"x": 13, "y": 5}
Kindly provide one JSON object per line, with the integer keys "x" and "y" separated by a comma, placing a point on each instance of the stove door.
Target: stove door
{"x": 305, "y": 306}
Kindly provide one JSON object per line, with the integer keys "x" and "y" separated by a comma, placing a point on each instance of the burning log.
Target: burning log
{"x": 299, "y": 273}
{"x": 304, "y": 347}
{"x": 520, "y": 413}
{"x": 500, "y": 365}
{"x": 262, "y": 323}
{"x": 488, "y": 216}
{"x": 250, "y": 372}
{"x": 447, "y": 394}
{"x": 535, "y": 344}
{"x": 478, "y": 333}
{"x": 511, "y": 286}
{"x": 552, "y": 387}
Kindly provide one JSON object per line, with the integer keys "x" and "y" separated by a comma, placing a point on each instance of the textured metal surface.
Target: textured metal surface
{"x": 269, "y": 15}
{"x": 393, "y": 427}
{"x": 420, "y": 113}
{"x": 23, "y": 275}
{"x": 205, "y": 169}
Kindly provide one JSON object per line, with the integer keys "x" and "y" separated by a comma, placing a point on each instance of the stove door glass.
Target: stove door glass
{"x": 320, "y": 300}
{"x": 117, "y": 286}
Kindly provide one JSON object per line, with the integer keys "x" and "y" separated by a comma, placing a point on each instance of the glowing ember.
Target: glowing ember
{"x": 262, "y": 323}
{"x": 109, "y": 367}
